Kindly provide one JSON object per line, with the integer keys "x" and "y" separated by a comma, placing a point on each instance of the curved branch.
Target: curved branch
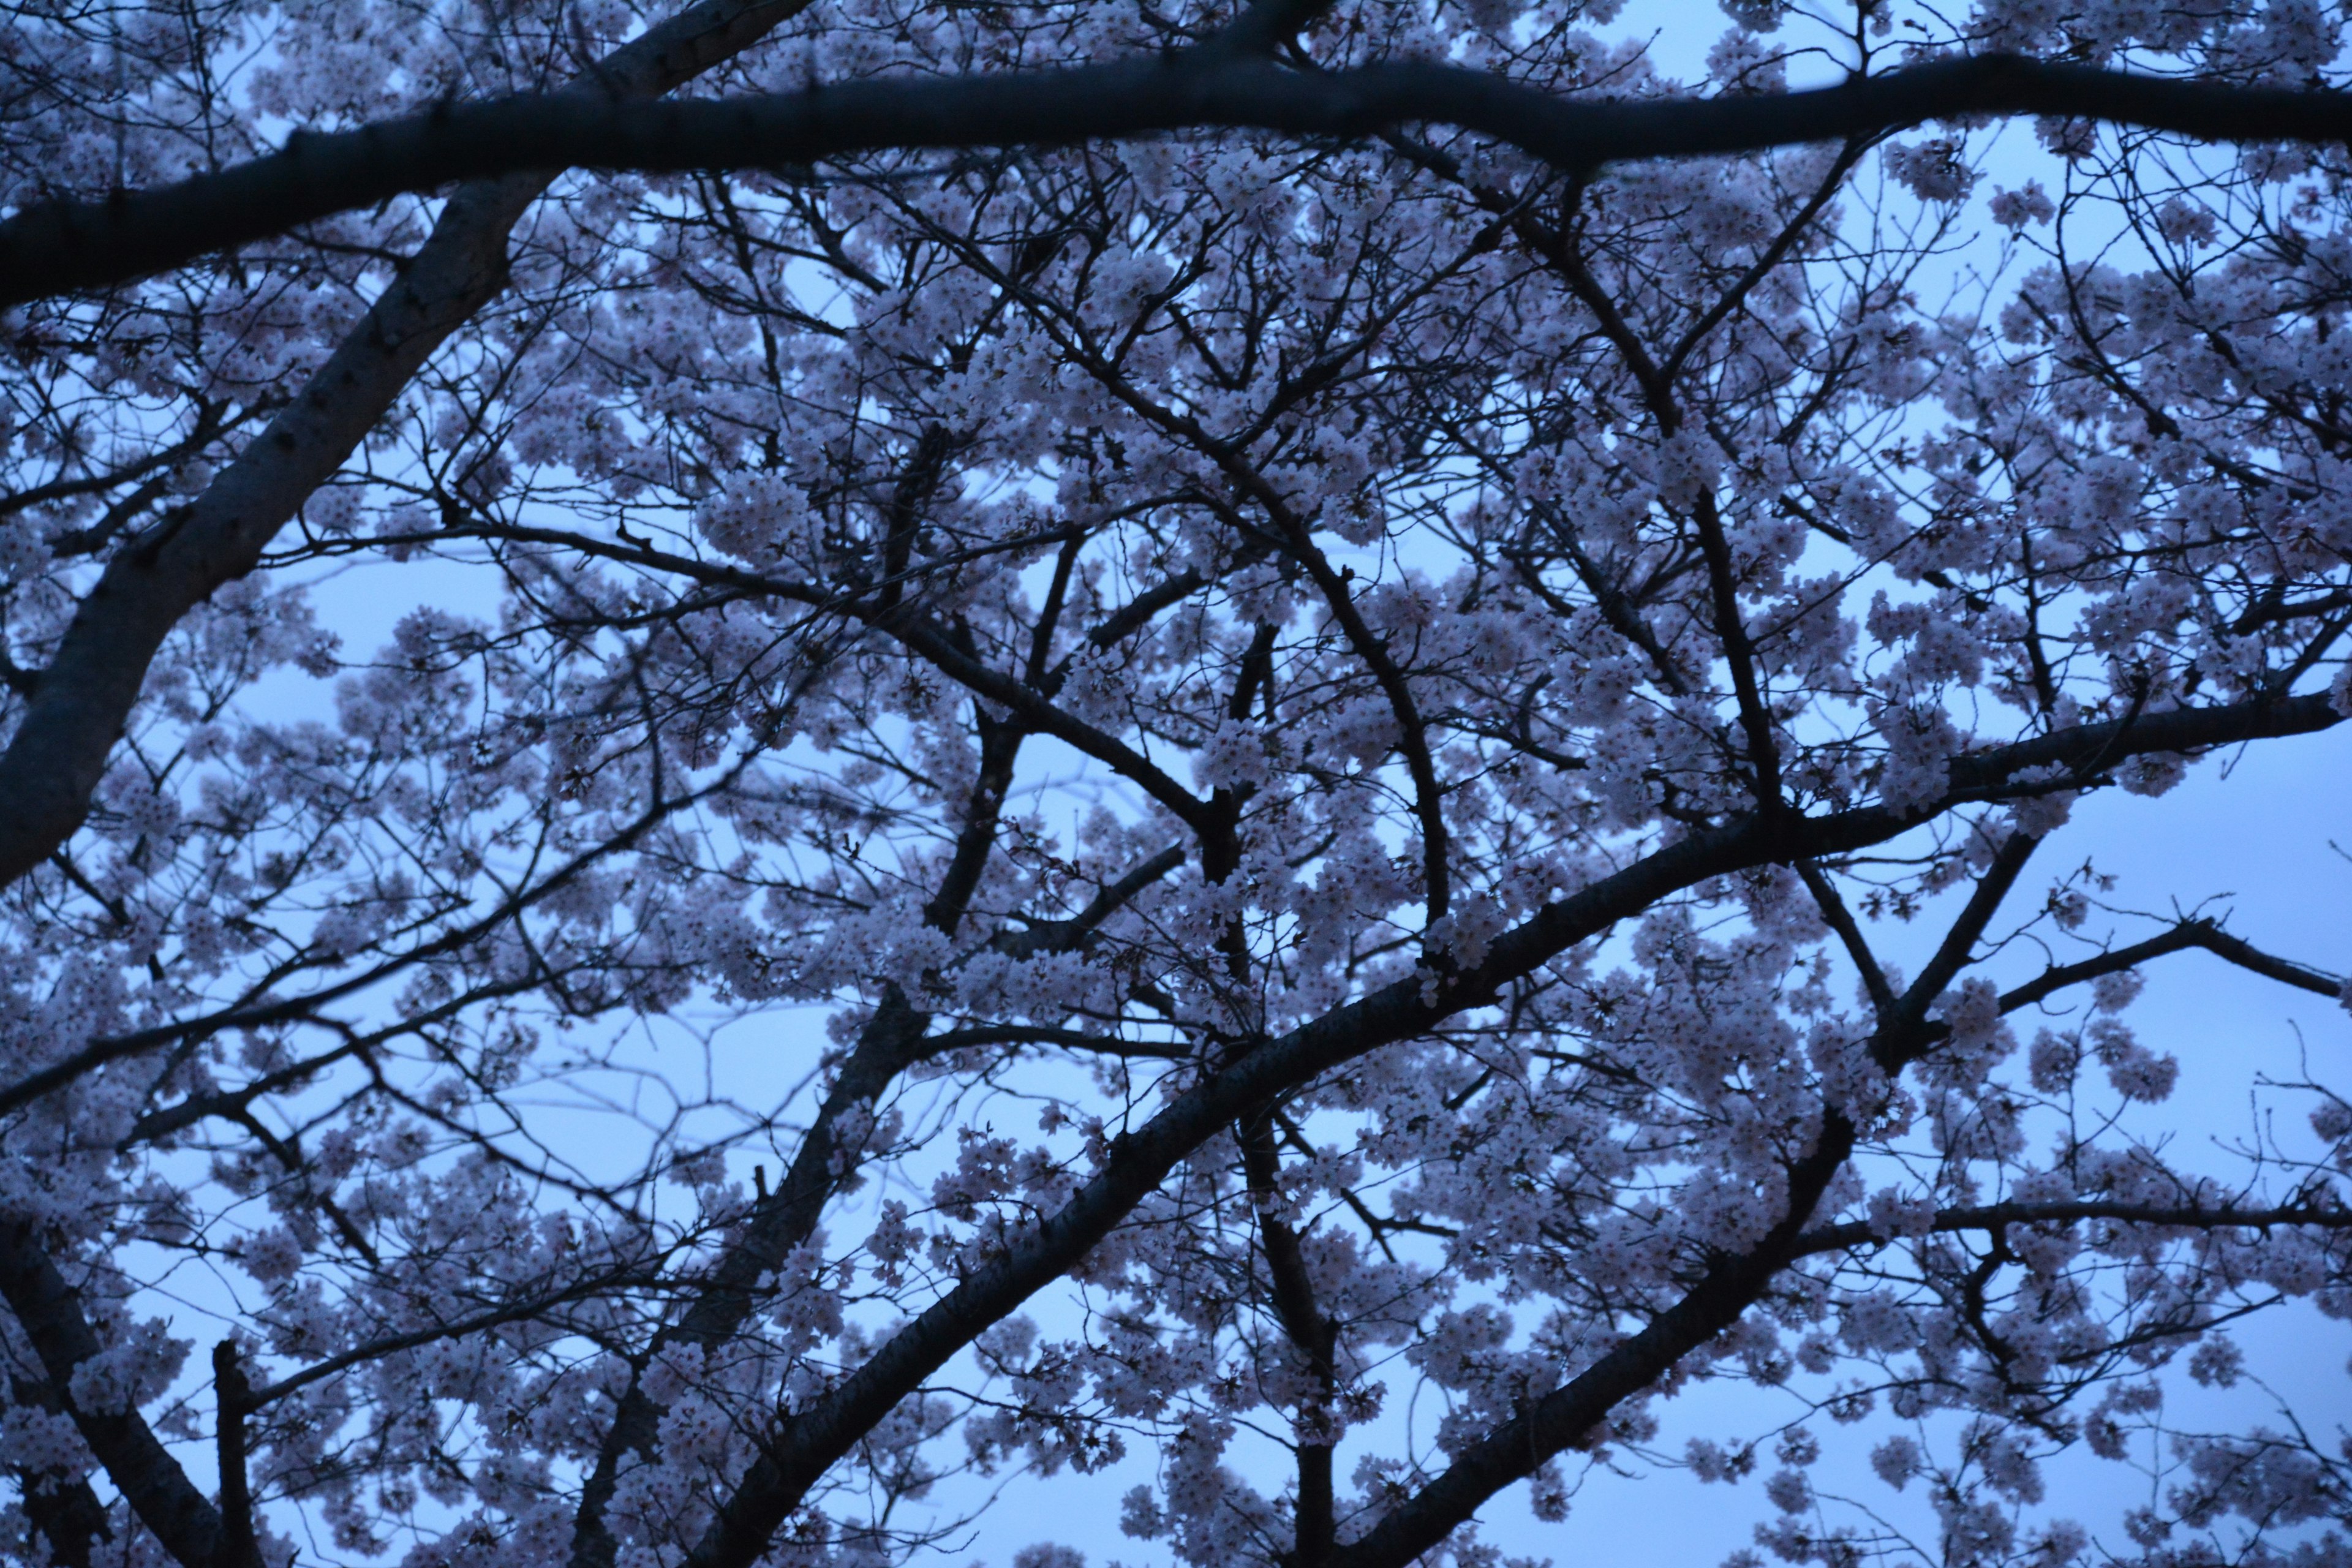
{"x": 70, "y": 245}
{"x": 2198, "y": 933}
{"x": 903, "y": 624}
{"x": 1059, "y": 936}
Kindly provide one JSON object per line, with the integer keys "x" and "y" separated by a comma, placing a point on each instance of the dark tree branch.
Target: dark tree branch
{"x": 254, "y": 1014}
{"x": 1058, "y": 936}
{"x": 2198, "y": 933}
{"x": 69, "y": 245}
{"x": 1068, "y": 1039}
{"x": 236, "y": 1103}
{"x": 1988, "y": 1216}
{"x": 50, "y": 1311}
{"x": 1883, "y": 1003}
{"x": 1312, "y": 1334}
{"x": 1413, "y": 731}
{"x": 1738, "y": 654}
{"x": 2187, "y": 934}
{"x": 82, "y": 699}
{"x": 2082, "y": 749}
{"x": 1761, "y": 267}
{"x": 237, "y": 1547}
{"x": 61, "y": 1505}
{"x": 1952, "y": 953}
{"x": 892, "y": 1041}
{"x": 392, "y": 1344}
{"x": 1569, "y": 1416}
{"x": 904, "y": 625}
{"x": 909, "y": 499}
{"x": 1566, "y": 1417}
{"x": 211, "y": 419}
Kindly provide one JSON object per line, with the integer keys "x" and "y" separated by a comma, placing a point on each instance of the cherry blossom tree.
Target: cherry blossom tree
{"x": 1308, "y": 756}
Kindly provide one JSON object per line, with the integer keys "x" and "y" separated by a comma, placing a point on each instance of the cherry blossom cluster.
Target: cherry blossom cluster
{"x": 1298, "y": 826}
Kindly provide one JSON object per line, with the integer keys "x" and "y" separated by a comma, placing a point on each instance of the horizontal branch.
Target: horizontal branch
{"x": 2085, "y": 751}
{"x": 68, "y": 245}
{"x": 1987, "y": 1216}
{"x": 1069, "y": 1039}
{"x": 2198, "y": 933}
{"x": 50, "y": 1311}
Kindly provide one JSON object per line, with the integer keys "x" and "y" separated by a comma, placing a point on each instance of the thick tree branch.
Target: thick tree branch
{"x": 1311, "y": 1334}
{"x": 1518, "y": 1447}
{"x": 61, "y": 1504}
{"x": 1412, "y": 733}
{"x": 1568, "y": 1416}
{"x": 1068, "y": 1039}
{"x": 1738, "y": 654}
{"x": 48, "y": 1310}
{"x": 2081, "y": 750}
{"x": 84, "y": 245}
{"x": 237, "y": 1546}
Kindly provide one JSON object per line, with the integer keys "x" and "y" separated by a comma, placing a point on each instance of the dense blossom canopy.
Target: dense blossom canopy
{"x": 1311, "y": 819}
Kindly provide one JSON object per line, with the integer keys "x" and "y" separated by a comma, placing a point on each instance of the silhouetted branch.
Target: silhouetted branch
{"x": 71, "y": 244}
{"x": 1987, "y": 1216}
{"x": 2199, "y": 934}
